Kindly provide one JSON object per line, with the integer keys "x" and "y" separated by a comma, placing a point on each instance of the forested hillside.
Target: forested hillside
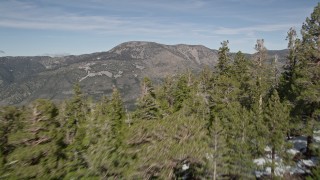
{"x": 241, "y": 119}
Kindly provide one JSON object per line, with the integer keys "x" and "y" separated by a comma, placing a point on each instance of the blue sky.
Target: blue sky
{"x": 57, "y": 27}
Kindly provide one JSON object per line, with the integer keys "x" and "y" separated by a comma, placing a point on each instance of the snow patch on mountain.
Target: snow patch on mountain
{"x": 93, "y": 74}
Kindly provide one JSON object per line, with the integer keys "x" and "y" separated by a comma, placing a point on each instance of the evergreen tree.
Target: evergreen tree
{"x": 99, "y": 120}
{"x": 175, "y": 147}
{"x": 107, "y": 157}
{"x": 288, "y": 80}
{"x": 242, "y": 74}
{"x": 309, "y": 74}
{"x": 197, "y": 104}
{"x": 311, "y": 35}
{"x": 224, "y": 59}
{"x": 182, "y": 90}
{"x": 260, "y": 71}
{"x": 165, "y": 96}
{"x": 288, "y": 87}
{"x": 224, "y": 122}
{"x": 99, "y": 129}
{"x": 75, "y": 124}
{"x": 147, "y": 107}
{"x": 259, "y": 91}
{"x": 236, "y": 125}
{"x": 9, "y": 122}
{"x": 116, "y": 116}
{"x": 277, "y": 121}
{"x": 37, "y": 144}
{"x": 218, "y": 147}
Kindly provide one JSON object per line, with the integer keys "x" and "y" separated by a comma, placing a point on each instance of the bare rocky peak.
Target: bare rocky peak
{"x": 148, "y": 50}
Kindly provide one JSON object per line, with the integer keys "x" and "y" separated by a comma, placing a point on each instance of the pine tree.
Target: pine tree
{"x": 224, "y": 122}
{"x": 259, "y": 90}
{"x": 9, "y": 122}
{"x": 162, "y": 149}
{"x": 197, "y": 104}
{"x": 288, "y": 87}
{"x": 165, "y": 96}
{"x": 98, "y": 131}
{"x": 75, "y": 124}
{"x": 99, "y": 120}
{"x": 259, "y": 58}
{"x": 116, "y": 116}
{"x": 311, "y": 35}
{"x": 107, "y": 157}
{"x": 277, "y": 121}
{"x": 224, "y": 59}
{"x": 147, "y": 107}
{"x": 242, "y": 74}
{"x": 37, "y": 151}
{"x": 218, "y": 147}
{"x": 236, "y": 124}
{"x": 309, "y": 74}
{"x": 182, "y": 90}
{"x": 75, "y": 114}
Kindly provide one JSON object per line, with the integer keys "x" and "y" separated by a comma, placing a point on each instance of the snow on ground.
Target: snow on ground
{"x": 265, "y": 162}
{"x": 259, "y": 161}
{"x": 293, "y": 151}
{"x": 267, "y": 149}
{"x": 316, "y": 136}
{"x": 300, "y": 167}
{"x": 309, "y": 162}
{"x": 93, "y": 74}
{"x": 299, "y": 143}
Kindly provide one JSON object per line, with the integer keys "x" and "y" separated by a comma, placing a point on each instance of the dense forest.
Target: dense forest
{"x": 211, "y": 125}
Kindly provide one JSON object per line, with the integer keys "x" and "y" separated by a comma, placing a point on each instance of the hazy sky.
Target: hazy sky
{"x": 47, "y": 27}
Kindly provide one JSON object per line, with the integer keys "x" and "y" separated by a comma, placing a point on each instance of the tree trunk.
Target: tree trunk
{"x": 216, "y": 134}
{"x": 288, "y": 136}
{"x": 308, "y": 150}
{"x": 273, "y": 153}
{"x": 215, "y": 160}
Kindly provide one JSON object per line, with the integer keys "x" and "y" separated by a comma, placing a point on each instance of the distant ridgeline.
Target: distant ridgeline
{"x": 199, "y": 113}
{"x": 25, "y": 79}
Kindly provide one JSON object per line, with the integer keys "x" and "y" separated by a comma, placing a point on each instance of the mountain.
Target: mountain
{"x": 24, "y": 79}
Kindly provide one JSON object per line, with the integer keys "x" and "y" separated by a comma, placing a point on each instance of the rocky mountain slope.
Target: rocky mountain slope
{"x": 23, "y": 79}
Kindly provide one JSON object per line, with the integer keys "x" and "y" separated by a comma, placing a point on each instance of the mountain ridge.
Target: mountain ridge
{"x": 26, "y": 78}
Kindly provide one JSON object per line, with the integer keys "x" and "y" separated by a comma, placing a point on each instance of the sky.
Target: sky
{"x": 62, "y": 27}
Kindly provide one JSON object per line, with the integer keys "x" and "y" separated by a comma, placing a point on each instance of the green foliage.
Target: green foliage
{"x": 181, "y": 91}
{"x": 236, "y": 124}
{"x": 315, "y": 173}
{"x": 107, "y": 155}
{"x": 147, "y": 107}
{"x": 74, "y": 125}
{"x": 9, "y": 122}
{"x": 241, "y": 73}
{"x": 160, "y": 149}
{"x": 209, "y": 126}
{"x": 224, "y": 59}
{"x": 277, "y": 121}
{"x": 37, "y": 144}
{"x": 165, "y": 96}
{"x": 116, "y": 116}
{"x": 310, "y": 35}
{"x": 308, "y": 75}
